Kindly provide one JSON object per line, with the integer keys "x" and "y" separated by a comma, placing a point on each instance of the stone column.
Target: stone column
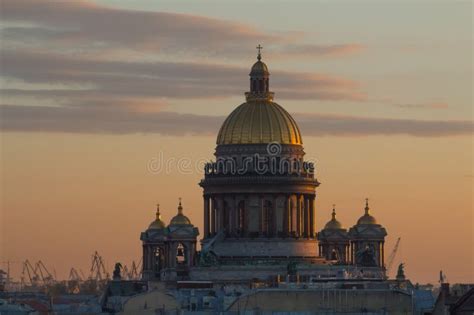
{"x": 383, "y": 253}
{"x": 311, "y": 216}
{"x": 260, "y": 215}
{"x": 307, "y": 217}
{"x": 144, "y": 259}
{"x": 298, "y": 214}
{"x": 213, "y": 216}
{"x": 288, "y": 215}
{"x": 352, "y": 252}
{"x": 206, "y": 216}
{"x": 151, "y": 253}
{"x": 274, "y": 231}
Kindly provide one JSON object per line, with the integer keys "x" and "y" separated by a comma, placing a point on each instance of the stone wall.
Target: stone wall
{"x": 326, "y": 301}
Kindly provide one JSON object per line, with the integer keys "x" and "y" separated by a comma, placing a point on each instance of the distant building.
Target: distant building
{"x": 459, "y": 300}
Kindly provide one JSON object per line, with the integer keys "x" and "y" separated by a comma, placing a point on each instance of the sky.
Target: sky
{"x": 109, "y": 107}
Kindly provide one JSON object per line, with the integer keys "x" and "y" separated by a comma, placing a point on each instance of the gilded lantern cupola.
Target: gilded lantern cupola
{"x": 157, "y": 224}
{"x": 180, "y": 218}
{"x": 367, "y": 218}
{"x": 333, "y": 224}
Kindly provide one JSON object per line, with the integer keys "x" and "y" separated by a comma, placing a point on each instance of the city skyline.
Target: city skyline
{"x": 88, "y": 106}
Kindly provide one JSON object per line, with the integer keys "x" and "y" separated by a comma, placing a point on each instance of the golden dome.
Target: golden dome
{"x": 259, "y": 121}
{"x": 367, "y": 218}
{"x": 157, "y": 224}
{"x": 333, "y": 224}
{"x": 180, "y": 218}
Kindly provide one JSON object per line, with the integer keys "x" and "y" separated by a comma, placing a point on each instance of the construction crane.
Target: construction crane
{"x": 43, "y": 273}
{"x": 125, "y": 273}
{"x": 30, "y": 271}
{"x": 391, "y": 258}
{"x": 135, "y": 270}
{"x": 98, "y": 271}
{"x": 74, "y": 275}
{"x": 8, "y": 277}
{"x": 74, "y": 281}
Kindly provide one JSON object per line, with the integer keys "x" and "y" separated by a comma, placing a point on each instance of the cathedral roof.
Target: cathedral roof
{"x": 259, "y": 68}
{"x": 157, "y": 224}
{"x": 367, "y": 218}
{"x": 180, "y": 218}
{"x": 259, "y": 120}
{"x": 333, "y": 224}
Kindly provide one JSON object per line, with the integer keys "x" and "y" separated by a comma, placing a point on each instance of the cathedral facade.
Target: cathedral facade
{"x": 259, "y": 209}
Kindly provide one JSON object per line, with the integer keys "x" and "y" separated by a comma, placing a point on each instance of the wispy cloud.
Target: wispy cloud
{"x": 110, "y": 121}
{"x": 157, "y": 79}
{"x": 313, "y": 50}
{"x": 430, "y": 105}
{"x": 87, "y": 26}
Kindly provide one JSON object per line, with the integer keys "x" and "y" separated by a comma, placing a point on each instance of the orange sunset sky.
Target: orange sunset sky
{"x": 109, "y": 107}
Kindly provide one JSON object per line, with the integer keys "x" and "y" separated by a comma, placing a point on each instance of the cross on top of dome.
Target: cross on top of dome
{"x": 259, "y": 48}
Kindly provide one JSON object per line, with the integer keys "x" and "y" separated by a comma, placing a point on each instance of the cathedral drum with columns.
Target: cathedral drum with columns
{"x": 259, "y": 209}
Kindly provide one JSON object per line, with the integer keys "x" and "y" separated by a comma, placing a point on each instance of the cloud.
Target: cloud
{"x": 89, "y": 23}
{"x": 344, "y": 125}
{"x": 432, "y": 105}
{"x": 111, "y": 121}
{"x": 159, "y": 79}
{"x": 312, "y": 50}
{"x": 69, "y": 26}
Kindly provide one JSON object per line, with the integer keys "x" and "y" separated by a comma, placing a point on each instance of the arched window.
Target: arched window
{"x": 158, "y": 260}
{"x": 334, "y": 255}
{"x": 181, "y": 254}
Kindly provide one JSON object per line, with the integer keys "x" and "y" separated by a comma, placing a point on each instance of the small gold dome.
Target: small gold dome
{"x": 367, "y": 218}
{"x": 333, "y": 224}
{"x": 157, "y": 224}
{"x": 180, "y": 218}
{"x": 257, "y": 122}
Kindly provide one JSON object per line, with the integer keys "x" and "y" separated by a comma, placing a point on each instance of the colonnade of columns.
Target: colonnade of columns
{"x": 291, "y": 215}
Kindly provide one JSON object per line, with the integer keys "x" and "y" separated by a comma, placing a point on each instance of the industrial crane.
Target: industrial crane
{"x": 75, "y": 280}
{"x": 135, "y": 270}
{"x": 391, "y": 258}
{"x": 98, "y": 271}
{"x": 30, "y": 271}
{"x": 44, "y": 274}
